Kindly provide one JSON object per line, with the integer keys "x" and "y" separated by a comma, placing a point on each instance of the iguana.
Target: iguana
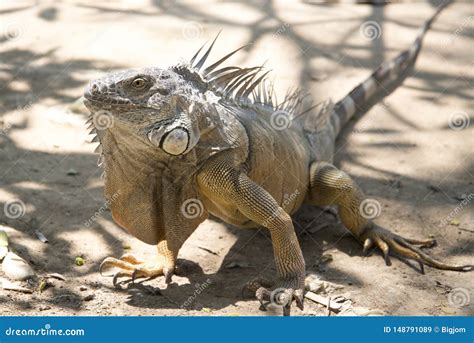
{"x": 181, "y": 143}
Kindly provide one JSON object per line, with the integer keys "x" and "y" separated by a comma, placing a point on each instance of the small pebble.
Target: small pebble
{"x": 16, "y": 268}
{"x": 72, "y": 172}
{"x": 79, "y": 261}
{"x": 89, "y": 297}
{"x": 83, "y": 288}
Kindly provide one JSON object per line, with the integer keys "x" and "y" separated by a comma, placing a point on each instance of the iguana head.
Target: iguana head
{"x": 157, "y": 104}
{"x": 172, "y": 108}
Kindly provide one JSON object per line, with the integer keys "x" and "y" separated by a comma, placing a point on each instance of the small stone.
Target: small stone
{"x": 89, "y": 297}
{"x": 434, "y": 188}
{"x": 42, "y": 285}
{"x": 44, "y": 308}
{"x": 16, "y": 268}
{"x": 461, "y": 197}
{"x": 455, "y": 222}
{"x": 79, "y": 261}
{"x": 41, "y": 236}
{"x": 83, "y": 288}
{"x": 72, "y": 172}
{"x": 236, "y": 264}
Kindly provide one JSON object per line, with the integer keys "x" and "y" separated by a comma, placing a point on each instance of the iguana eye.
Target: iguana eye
{"x": 139, "y": 83}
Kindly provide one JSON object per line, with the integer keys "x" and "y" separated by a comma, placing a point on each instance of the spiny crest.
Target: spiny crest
{"x": 244, "y": 86}
{"x": 95, "y": 139}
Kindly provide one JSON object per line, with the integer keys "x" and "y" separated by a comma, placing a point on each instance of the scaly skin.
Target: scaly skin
{"x": 183, "y": 142}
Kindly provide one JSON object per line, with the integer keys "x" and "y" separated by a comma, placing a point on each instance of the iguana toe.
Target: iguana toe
{"x": 405, "y": 247}
{"x": 132, "y": 268}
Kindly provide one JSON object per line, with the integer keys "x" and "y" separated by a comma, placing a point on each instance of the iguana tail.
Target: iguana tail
{"x": 382, "y": 82}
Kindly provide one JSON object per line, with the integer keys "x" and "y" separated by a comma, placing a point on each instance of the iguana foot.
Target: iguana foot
{"x": 132, "y": 268}
{"x": 390, "y": 242}
{"x": 283, "y": 294}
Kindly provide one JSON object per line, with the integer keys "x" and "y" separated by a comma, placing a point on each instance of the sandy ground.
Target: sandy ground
{"x": 403, "y": 153}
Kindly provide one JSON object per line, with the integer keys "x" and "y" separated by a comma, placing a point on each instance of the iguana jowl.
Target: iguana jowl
{"x": 188, "y": 141}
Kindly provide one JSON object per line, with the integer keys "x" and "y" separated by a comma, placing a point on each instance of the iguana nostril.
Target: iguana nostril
{"x": 94, "y": 88}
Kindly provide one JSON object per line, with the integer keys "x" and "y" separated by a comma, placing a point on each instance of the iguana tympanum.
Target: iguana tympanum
{"x": 184, "y": 142}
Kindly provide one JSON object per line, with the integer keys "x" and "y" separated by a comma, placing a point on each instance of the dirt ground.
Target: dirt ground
{"x": 406, "y": 153}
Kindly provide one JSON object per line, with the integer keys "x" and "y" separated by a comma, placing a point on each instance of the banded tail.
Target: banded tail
{"x": 382, "y": 81}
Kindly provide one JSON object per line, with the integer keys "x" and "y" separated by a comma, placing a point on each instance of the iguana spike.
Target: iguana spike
{"x": 212, "y": 67}
{"x": 196, "y": 54}
{"x": 241, "y": 91}
{"x": 95, "y": 139}
{"x": 98, "y": 149}
{"x": 239, "y": 83}
{"x": 270, "y": 93}
{"x": 255, "y": 84}
{"x": 93, "y": 131}
{"x": 100, "y": 160}
{"x": 226, "y": 78}
{"x": 220, "y": 72}
{"x": 257, "y": 95}
{"x": 204, "y": 58}
{"x": 264, "y": 92}
{"x": 230, "y": 78}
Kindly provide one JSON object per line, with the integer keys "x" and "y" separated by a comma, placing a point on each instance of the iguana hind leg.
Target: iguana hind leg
{"x": 131, "y": 267}
{"x": 331, "y": 186}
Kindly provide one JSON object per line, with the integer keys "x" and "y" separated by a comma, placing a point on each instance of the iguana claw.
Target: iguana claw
{"x": 282, "y": 296}
{"x": 390, "y": 242}
{"x": 132, "y": 268}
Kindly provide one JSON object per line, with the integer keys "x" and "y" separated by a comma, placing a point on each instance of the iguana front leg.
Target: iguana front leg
{"x": 180, "y": 224}
{"x": 223, "y": 183}
{"x": 330, "y": 185}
